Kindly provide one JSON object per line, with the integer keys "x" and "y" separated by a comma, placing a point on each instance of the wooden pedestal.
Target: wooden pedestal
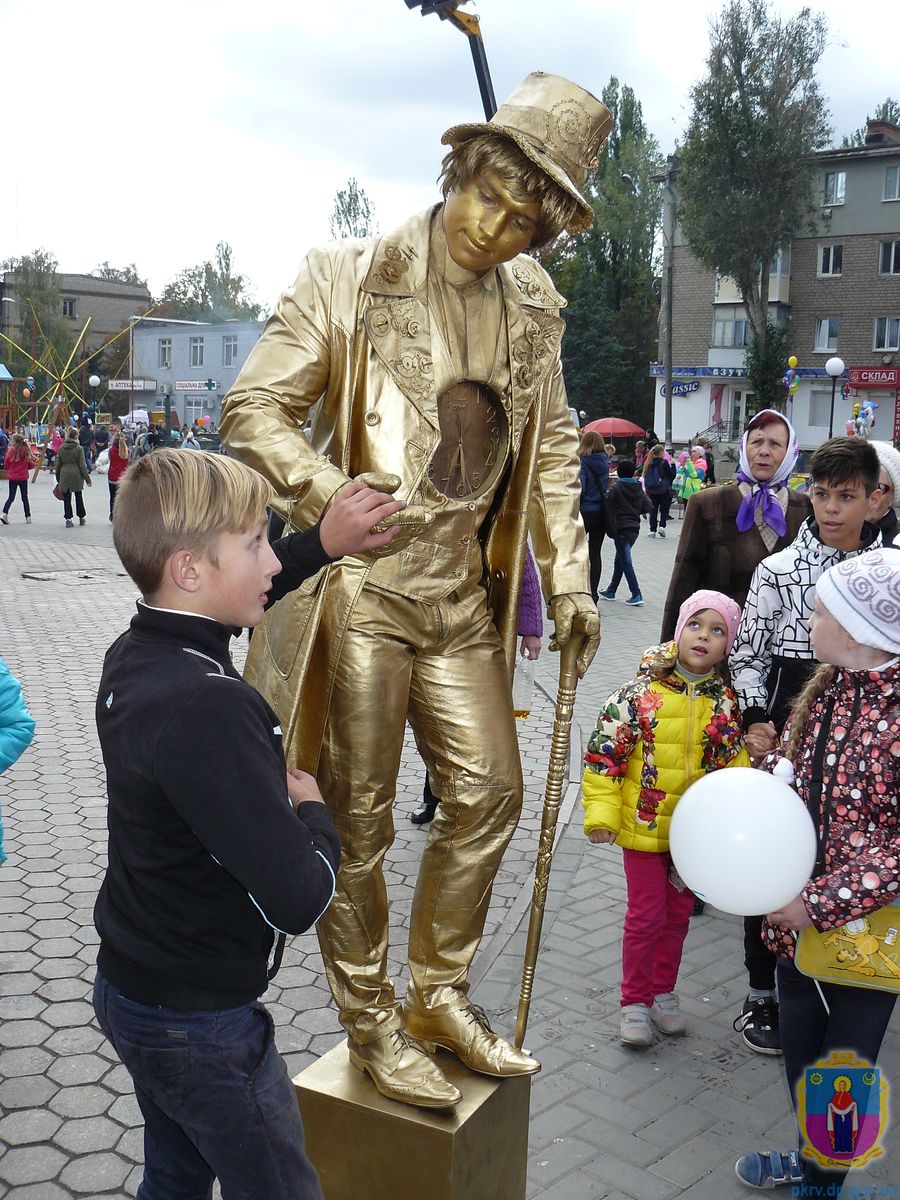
{"x": 368, "y": 1148}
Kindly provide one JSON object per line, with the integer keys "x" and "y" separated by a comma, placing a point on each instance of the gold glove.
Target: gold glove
{"x": 412, "y": 520}
{"x": 575, "y": 615}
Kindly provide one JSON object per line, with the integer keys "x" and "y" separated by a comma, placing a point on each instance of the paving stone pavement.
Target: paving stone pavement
{"x": 607, "y": 1123}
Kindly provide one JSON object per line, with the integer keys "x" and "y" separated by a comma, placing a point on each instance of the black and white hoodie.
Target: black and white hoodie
{"x": 772, "y": 656}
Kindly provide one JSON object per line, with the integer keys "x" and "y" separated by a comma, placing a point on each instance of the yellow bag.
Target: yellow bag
{"x": 863, "y": 953}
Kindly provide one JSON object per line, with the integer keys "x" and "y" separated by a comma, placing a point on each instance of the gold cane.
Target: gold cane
{"x": 556, "y": 772}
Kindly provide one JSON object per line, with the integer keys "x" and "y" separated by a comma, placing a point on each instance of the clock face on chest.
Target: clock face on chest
{"x": 474, "y": 441}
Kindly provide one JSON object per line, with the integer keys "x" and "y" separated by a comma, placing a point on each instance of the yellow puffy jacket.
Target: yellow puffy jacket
{"x": 654, "y": 738}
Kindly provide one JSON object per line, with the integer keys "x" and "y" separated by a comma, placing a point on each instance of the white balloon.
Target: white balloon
{"x": 743, "y": 841}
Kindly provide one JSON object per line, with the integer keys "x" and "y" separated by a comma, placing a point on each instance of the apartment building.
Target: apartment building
{"x": 838, "y": 287}
{"x": 193, "y": 363}
{"x": 106, "y": 302}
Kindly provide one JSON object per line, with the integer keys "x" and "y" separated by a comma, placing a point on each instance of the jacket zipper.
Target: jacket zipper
{"x": 689, "y": 740}
{"x": 774, "y": 695}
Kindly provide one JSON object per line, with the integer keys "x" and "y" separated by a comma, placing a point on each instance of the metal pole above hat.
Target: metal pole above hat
{"x": 449, "y": 10}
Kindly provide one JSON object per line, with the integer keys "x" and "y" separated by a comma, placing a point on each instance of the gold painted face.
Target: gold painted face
{"x": 485, "y": 226}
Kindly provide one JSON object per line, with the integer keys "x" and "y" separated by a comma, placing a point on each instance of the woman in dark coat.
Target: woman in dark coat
{"x": 728, "y": 530}
{"x": 594, "y": 486}
{"x": 71, "y": 475}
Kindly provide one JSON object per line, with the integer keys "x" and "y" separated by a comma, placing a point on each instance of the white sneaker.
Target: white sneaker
{"x": 634, "y": 1027}
{"x": 4, "y": 518}
{"x": 652, "y": 533}
{"x": 667, "y": 1016}
{"x": 662, "y": 533}
{"x": 28, "y": 520}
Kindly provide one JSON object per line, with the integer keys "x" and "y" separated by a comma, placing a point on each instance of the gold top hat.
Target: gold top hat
{"x": 558, "y": 125}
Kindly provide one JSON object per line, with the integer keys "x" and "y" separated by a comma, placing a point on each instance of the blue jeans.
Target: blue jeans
{"x": 216, "y": 1099}
{"x": 623, "y": 543}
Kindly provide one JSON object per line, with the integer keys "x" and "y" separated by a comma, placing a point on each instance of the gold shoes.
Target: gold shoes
{"x": 401, "y": 1071}
{"x": 467, "y": 1033}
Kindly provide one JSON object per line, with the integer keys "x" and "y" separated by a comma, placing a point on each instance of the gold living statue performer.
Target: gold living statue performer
{"x": 434, "y": 354}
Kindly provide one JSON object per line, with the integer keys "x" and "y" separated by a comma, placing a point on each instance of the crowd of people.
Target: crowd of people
{"x": 781, "y": 637}
{"x": 74, "y": 452}
{"x": 400, "y": 600}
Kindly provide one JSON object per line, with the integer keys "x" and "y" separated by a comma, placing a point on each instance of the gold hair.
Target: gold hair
{"x": 71, "y": 434}
{"x": 182, "y": 499}
{"x": 526, "y": 182}
{"x": 591, "y": 442}
{"x": 657, "y": 452}
{"x": 803, "y": 705}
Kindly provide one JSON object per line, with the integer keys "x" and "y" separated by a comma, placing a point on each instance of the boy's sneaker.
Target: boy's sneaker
{"x": 769, "y": 1170}
{"x": 662, "y": 533}
{"x": 607, "y": 595}
{"x": 82, "y": 520}
{"x": 666, "y": 1015}
{"x": 758, "y": 1025}
{"x": 4, "y": 518}
{"x": 28, "y": 520}
{"x": 635, "y": 601}
{"x": 652, "y": 533}
{"x": 635, "y": 1028}
{"x": 69, "y": 524}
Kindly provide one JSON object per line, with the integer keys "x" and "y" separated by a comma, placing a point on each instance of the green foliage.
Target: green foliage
{"x": 765, "y": 363}
{"x": 607, "y": 273}
{"x": 887, "y": 110}
{"x": 745, "y": 173}
{"x": 127, "y": 274}
{"x": 353, "y": 215}
{"x": 43, "y": 333}
{"x": 208, "y": 292}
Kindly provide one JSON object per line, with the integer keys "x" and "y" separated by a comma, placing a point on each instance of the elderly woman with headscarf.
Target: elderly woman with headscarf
{"x": 726, "y": 534}
{"x": 729, "y": 530}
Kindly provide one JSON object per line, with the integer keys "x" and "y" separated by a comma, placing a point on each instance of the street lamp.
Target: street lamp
{"x": 94, "y": 383}
{"x": 835, "y": 368}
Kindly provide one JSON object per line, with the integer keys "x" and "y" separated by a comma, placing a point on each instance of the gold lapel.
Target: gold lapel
{"x": 535, "y": 334}
{"x": 397, "y": 321}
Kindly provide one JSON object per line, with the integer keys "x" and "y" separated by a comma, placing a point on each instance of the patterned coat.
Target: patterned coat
{"x": 853, "y": 733}
{"x": 772, "y": 654}
{"x": 654, "y": 738}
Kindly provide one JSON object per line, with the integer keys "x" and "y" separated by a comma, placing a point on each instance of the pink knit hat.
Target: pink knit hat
{"x": 728, "y": 610}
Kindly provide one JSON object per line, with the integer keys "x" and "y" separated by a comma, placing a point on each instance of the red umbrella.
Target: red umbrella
{"x": 614, "y": 427}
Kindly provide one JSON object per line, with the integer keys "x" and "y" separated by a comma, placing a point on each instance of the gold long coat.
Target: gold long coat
{"x": 355, "y": 332}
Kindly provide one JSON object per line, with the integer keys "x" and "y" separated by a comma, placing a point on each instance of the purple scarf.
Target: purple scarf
{"x": 761, "y": 495}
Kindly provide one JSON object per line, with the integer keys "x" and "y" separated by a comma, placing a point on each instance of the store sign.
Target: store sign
{"x": 875, "y": 377}
{"x": 682, "y": 389}
{"x": 132, "y": 385}
{"x": 195, "y": 385}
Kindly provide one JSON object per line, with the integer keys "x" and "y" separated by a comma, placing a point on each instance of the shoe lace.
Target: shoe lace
{"x": 476, "y": 1015}
{"x": 761, "y": 1013}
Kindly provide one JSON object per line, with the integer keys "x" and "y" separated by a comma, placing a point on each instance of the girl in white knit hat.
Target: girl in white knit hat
{"x": 842, "y": 747}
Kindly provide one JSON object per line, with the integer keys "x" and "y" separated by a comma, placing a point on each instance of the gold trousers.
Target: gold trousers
{"x": 442, "y": 667}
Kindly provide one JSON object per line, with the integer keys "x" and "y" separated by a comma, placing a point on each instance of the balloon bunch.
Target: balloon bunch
{"x": 791, "y": 379}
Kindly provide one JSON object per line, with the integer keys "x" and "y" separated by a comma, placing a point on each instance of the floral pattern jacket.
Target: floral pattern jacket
{"x": 852, "y": 742}
{"x": 654, "y": 738}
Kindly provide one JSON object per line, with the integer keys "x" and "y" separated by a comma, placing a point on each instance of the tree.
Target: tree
{"x": 746, "y": 169}
{"x": 208, "y": 292}
{"x": 43, "y": 333}
{"x": 353, "y": 215}
{"x": 607, "y": 273}
{"x": 127, "y": 274}
{"x": 887, "y": 110}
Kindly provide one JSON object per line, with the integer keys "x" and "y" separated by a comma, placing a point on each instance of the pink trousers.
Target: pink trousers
{"x": 656, "y": 924}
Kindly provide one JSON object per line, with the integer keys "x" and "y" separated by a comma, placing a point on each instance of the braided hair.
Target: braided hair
{"x": 803, "y": 706}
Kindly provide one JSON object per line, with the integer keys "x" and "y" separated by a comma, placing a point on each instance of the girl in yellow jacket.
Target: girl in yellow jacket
{"x": 656, "y": 736}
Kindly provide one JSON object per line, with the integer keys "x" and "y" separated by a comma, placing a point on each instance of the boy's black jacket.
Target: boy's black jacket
{"x": 629, "y": 502}
{"x": 207, "y": 858}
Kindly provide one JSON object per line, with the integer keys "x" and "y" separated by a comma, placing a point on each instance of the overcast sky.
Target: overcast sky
{"x": 148, "y": 133}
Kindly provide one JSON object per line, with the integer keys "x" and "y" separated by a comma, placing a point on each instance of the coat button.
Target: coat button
{"x": 371, "y": 417}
